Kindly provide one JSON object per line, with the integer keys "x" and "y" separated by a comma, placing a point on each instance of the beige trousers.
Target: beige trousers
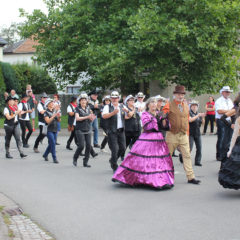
{"x": 181, "y": 142}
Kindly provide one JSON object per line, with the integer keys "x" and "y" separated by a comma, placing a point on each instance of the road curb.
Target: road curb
{"x": 15, "y": 225}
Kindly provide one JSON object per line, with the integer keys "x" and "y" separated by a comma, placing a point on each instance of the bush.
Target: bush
{"x": 36, "y": 76}
{"x": 2, "y": 83}
{"x": 10, "y": 78}
{"x": 23, "y": 75}
{"x": 41, "y": 81}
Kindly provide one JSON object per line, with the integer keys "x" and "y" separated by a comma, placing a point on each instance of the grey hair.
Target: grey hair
{"x": 150, "y": 100}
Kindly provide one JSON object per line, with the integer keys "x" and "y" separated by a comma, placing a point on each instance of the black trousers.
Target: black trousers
{"x": 117, "y": 145}
{"x": 82, "y": 140}
{"x": 208, "y": 118}
{"x": 224, "y": 134}
{"x": 72, "y": 136}
{"x": 131, "y": 138}
{"x": 12, "y": 131}
{"x": 40, "y": 137}
{"x": 198, "y": 142}
{"x": 24, "y": 125}
{"x": 104, "y": 142}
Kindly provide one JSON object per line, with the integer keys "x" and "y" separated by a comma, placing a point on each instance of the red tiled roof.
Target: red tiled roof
{"x": 25, "y": 46}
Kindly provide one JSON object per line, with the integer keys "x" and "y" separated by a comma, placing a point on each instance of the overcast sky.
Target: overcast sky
{"x": 9, "y": 10}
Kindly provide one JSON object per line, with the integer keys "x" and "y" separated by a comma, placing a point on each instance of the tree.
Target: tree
{"x": 121, "y": 42}
{"x": 11, "y": 33}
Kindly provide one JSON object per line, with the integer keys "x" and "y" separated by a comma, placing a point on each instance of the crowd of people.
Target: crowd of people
{"x": 152, "y": 130}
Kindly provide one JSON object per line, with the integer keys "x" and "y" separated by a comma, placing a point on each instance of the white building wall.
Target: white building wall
{"x": 18, "y": 58}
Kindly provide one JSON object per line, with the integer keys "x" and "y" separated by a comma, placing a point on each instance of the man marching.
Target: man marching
{"x": 177, "y": 137}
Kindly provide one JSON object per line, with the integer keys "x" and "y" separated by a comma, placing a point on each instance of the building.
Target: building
{"x": 2, "y": 44}
{"x": 20, "y": 52}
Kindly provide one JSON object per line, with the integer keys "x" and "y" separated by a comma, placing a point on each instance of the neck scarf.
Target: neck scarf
{"x": 12, "y": 108}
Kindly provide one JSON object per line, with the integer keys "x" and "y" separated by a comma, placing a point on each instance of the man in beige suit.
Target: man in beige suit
{"x": 177, "y": 137}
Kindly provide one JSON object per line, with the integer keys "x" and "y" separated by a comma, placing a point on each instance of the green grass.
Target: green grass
{"x": 64, "y": 122}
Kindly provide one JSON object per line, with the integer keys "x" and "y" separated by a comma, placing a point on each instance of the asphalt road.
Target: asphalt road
{"x": 83, "y": 204}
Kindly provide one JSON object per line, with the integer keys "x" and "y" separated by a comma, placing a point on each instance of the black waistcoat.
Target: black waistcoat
{"x": 85, "y": 125}
{"x": 194, "y": 127}
{"x": 71, "y": 118}
{"x": 23, "y": 116}
{"x": 111, "y": 123}
{"x": 11, "y": 121}
{"x": 133, "y": 124}
{"x": 41, "y": 116}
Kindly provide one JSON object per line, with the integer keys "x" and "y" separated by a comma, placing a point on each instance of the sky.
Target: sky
{"x": 9, "y": 10}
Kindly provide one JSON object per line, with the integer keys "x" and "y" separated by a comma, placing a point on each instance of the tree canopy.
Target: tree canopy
{"x": 121, "y": 42}
{"x": 11, "y": 33}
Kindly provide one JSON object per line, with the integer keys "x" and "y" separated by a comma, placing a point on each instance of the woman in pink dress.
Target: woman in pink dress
{"x": 149, "y": 162}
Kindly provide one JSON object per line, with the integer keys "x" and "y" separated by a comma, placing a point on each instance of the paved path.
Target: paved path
{"x": 83, "y": 204}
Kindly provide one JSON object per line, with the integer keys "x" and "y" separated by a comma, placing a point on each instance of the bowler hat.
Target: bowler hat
{"x": 9, "y": 98}
{"x": 24, "y": 95}
{"x": 179, "y": 89}
{"x": 94, "y": 92}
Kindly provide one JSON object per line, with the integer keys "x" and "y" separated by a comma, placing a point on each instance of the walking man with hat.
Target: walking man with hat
{"x": 224, "y": 130}
{"x": 114, "y": 113}
{"x": 177, "y": 137}
{"x": 41, "y": 122}
{"x": 94, "y": 106}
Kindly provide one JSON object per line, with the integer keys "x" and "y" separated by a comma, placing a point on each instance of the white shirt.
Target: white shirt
{"x": 69, "y": 109}
{"x": 223, "y": 104}
{"x": 20, "y": 107}
{"x": 40, "y": 108}
{"x": 119, "y": 119}
{"x": 140, "y": 105}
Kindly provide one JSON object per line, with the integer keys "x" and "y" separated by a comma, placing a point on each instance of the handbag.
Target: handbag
{"x": 70, "y": 128}
{"x": 44, "y": 130}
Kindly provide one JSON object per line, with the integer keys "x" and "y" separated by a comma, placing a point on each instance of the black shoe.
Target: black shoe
{"x": 96, "y": 145}
{"x": 114, "y": 167}
{"x": 69, "y": 148}
{"x": 94, "y": 154}
{"x": 194, "y": 181}
{"x": 57, "y": 143}
{"x": 75, "y": 162}
{"x": 26, "y": 145}
{"x": 45, "y": 158}
{"x": 8, "y": 155}
{"x": 55, "y": 161}
{"x": 198, "y": 164}
{"x": 86, "y": 165}
{"x": 22, "y": 155}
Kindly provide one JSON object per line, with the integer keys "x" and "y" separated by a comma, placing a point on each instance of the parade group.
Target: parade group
{"x": 151, "y": 129}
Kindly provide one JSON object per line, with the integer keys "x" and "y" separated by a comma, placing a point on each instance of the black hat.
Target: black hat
{"x": 93, "y": 92}
{"x": 73, "y": 99}
{"x": 9, "y": 98}
{"x": 24, "y": 95}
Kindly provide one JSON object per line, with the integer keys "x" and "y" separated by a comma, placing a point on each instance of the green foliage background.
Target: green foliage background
{"x": 122, "y": 42}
